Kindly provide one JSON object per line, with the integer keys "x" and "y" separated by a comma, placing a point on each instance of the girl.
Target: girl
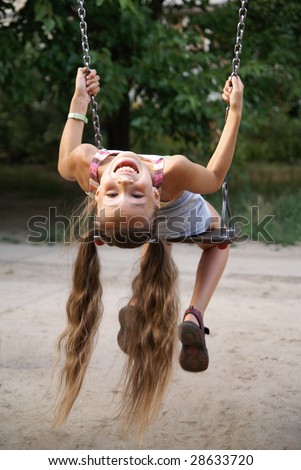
{"x": 141, "y": 200}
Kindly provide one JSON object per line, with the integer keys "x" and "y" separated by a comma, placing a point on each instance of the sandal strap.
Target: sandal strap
{"x": 198, "y": 315}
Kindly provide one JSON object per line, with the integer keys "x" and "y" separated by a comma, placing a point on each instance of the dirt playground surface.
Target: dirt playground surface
{"x": 248, "y": 399}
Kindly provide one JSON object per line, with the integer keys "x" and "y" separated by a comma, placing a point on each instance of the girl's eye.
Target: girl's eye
{"x": 111, "y": 195}
{"x": 138, "y": 196}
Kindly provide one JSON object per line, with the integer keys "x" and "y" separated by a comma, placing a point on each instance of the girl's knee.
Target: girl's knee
{"x": 224, "y": 247}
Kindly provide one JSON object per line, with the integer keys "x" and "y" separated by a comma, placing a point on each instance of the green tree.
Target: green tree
{"x": 141, "y": 49}
{"x": 159, "y": 64}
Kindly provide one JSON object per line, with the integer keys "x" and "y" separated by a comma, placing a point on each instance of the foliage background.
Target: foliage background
{"x": 163, "y": 65}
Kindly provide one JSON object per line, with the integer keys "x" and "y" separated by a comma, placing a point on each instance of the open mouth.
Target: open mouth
{"x": 126, "y": 166}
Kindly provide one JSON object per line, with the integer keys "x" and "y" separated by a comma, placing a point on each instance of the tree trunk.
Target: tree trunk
{"x": 118, "y": 127}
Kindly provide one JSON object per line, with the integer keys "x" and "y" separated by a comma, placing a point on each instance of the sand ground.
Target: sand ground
{"x": 248, "y": 399}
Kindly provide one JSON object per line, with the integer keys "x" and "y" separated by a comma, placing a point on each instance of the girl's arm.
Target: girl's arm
{"x": 72, "y": 152}
{"x": 198, "y": 179}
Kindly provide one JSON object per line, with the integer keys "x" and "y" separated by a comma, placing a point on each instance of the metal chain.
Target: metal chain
{"x": 226, "y": 211}
{"x": 238, "y": 44}
{"x": 87, "y": 61}
{"x": 239, "y": 35}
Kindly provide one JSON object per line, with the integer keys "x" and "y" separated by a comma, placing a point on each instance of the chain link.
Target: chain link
{"x": 87, "y": 62}
{"x": 242, "y": 14}
{"x": 240, "y": 32}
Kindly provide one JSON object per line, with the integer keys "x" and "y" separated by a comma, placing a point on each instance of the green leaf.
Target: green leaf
{"x": 49, "y": 25}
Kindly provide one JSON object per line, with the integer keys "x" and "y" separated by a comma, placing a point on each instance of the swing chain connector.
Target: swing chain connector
{"x": 87, "y": 62}
{"x": 242, "y": 14}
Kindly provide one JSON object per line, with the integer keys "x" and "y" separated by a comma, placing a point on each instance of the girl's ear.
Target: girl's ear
{"x": 156, "y": 197}
{"x": 96, "y": 196}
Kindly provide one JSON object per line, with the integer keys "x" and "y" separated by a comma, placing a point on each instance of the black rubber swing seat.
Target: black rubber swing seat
{"x": 222, "y": 236}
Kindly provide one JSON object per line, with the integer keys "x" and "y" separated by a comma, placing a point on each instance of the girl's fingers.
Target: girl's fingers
{"x": 93, "y": 79}
{"x": 228, "y": 83}
{"x": 228, "y": 87}
{"x": 93, "y": 89}
{"x": 226, "y": 94}
{"x": 92, "y": 85}
{"x": 94, "y": 93}
{"x": 237, "y": 83}
{"x": 233, "y": 91}
{"x": 92, "y": 73}
{"x": 226, "y": 97}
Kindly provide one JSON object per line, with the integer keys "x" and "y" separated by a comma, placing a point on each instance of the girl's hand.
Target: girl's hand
{"x": 233, "y": 93}
{"x": 85, "y": 88}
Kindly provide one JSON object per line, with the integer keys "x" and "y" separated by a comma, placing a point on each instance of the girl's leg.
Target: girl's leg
{"x": 210, "y": 269}
{"x": 194, "y": 355}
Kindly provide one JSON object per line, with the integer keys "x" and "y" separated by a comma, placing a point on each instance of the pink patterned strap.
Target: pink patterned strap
{"x": 93, "y": 171}
{"x": 158, "y": 168}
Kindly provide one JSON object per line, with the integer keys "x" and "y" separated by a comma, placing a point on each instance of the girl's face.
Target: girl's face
{"x": 126, "y": 190}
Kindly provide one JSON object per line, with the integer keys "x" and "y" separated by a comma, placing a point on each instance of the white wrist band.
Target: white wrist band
{"x": 78, "y": 117}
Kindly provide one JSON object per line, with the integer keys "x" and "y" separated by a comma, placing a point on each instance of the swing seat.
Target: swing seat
{"x": 222, "y": 237}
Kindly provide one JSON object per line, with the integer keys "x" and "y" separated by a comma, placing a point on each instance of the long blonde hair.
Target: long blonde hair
{"x": 154, "y": 316}
{"x": 151, "y": 343}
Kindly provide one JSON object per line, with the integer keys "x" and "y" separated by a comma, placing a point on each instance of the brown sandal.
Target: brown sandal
{"x": 194, "y": 355}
